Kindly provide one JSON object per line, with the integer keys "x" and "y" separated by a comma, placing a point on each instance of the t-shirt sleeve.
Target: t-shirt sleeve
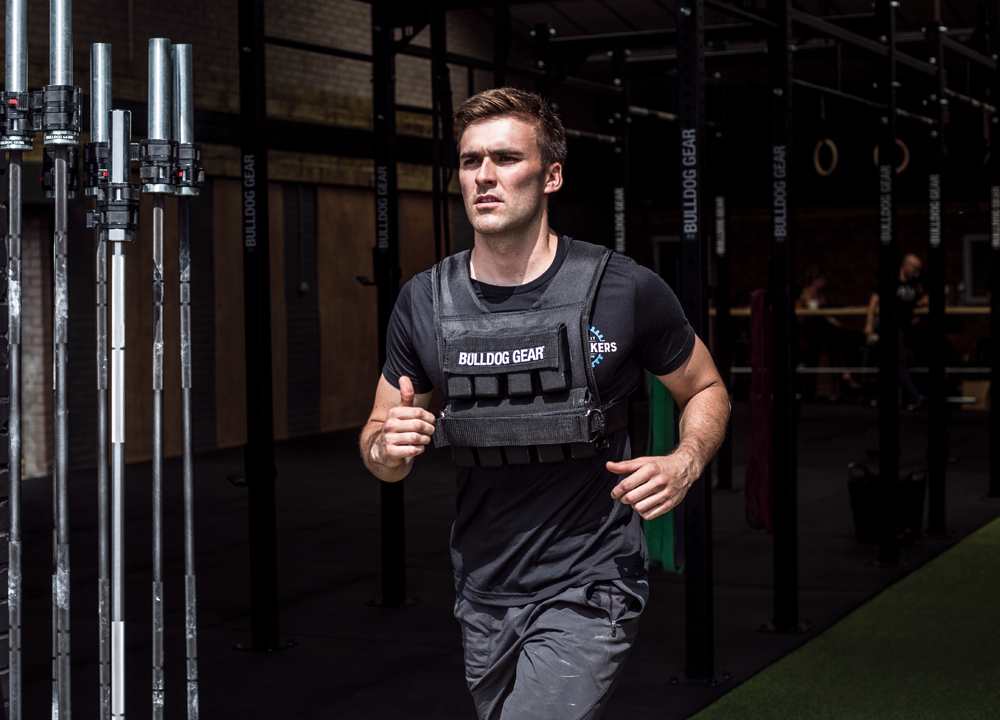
{"x": 664, "y": 338}
{"x": 401, "y": 356}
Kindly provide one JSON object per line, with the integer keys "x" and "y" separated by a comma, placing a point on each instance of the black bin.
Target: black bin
{"x": 863, "y": 486}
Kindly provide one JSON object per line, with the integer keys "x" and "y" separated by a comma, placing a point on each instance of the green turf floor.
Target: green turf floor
{"x": 927, "y": 647}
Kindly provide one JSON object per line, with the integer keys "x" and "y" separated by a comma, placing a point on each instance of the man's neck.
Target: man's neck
{"x": 510, "y": 261}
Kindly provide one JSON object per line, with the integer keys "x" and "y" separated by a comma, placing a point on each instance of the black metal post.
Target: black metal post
{"x": 441, "y": 138}
{"x": 190, "y": 179}
{"x": 258, "y": 453}
{"x": 17, "y": 137}
{"x": 784, "y": 449}
{"x": 699, "y": 603}
{"x": 994, "y": 488}
{"x": 501, "y": 41}
{"x": 888, "y": 279}
{"x": 620, "y": 122}
{"x": 16, "y": 708}
{"x": 96, "y": 167}
{"x": 544, "y": 82}
{"x": 721, "y": 295}
{"x": 937, "y": 421}
{"x": 158, "y": 183}
{"x": 387, "y": 271}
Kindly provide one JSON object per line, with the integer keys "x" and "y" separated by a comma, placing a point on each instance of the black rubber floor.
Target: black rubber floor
{"x": 356, "y": 662}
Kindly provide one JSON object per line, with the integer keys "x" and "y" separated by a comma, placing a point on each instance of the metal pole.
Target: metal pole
{"x": 699, "y": 602}
{"x": 60, "y": 76}
{"x": 183, "y": 125}
{"x": 100, "y": 105}
{"x": 888, "y": 275}
{"x": 120, "y": 195}
{"x": 387, "y": 272}
{"x": 543, "y": 61}
{"x": 258, "y": 453}
{"x": 784, "y": 447}
{"x": 994, "y": 487}
{"x": 16, "y": 82}
{"x": 439, "y": 68}
{"x": 620, "y": 121}
{"x": 937, "y": 425}
{"x": 501, "y": 41}
{"x": 159, "y": 122}
{"x": 721, "y": 296}
{"x": 117, "y": 480}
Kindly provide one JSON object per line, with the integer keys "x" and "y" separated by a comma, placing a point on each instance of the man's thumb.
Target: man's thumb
{"x": 620, "y": 468}
{"x": 405, "y": 392}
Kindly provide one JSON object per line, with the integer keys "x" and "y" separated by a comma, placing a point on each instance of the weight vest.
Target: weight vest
{"x": 519, "y": 386}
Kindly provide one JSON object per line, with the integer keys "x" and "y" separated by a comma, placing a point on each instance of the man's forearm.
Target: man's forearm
{"x": 703, "y": 425}
{"x": 374, "y": 457}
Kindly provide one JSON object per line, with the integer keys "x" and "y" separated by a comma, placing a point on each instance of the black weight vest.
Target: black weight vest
{"x": 518, "y": 385}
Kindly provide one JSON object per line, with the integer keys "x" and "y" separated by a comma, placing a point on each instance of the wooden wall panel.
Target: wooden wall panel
{"x": 230, "y": 366}
{"x": 416, "y": 233}
{"x": 279, "y": 320}
{"x": 347, "y": 309}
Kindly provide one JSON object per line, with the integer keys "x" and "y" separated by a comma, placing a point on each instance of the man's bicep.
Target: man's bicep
{"x": 695, "y": 374}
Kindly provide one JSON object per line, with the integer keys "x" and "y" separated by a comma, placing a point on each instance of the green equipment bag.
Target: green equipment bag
{"x": 662, "y": 539}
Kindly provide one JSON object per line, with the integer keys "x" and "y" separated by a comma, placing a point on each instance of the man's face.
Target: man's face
{"x": 911, "y": 269}
{"x": 503, "y": 179}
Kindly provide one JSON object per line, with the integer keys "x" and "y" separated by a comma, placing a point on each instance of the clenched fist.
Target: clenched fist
{"x": 407, "y": 430}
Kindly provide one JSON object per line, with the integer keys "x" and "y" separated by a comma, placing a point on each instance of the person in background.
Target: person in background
{"x": 822, "y": 331}
{"x": 909, "y": 296}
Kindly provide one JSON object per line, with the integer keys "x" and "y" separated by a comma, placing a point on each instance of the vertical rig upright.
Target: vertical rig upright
{"x": 785, "y": 448}
{"x": 937, "y": 420}
{"x": 116, "y": 219}
{"x": 59, "y": 106}
{"x": 722, "y": 291}
{"x": 620, "y": 121}
{"x": 386, "y": 266}
{"x": 18, "y": 136}
{"x": 699, "y": 603}
{"x": 993, "y": 15}
{"x": 95, "y": 169}
{"x": 157, "y": 161}
{"x": 442, "y": 140}
{"x": 888, "y": 275}
{"x": 190, "y": 177}
{"x": 258, "y": 453}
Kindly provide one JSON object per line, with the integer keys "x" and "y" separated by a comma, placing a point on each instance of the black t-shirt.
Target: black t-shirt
{"x": 907, "y": 294}
{"x": 527, "y": 532}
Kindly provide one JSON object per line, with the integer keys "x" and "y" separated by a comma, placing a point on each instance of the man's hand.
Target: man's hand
{"x": 406, "y": 432}
{"x": 398, "y": 430}
{"x": 655, "y": 485}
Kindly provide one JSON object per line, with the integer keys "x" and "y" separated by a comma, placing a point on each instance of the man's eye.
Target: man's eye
{"x": 469, "y": 162}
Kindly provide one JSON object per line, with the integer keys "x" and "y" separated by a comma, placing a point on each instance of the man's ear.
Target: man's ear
{"x": 553, "y": 178}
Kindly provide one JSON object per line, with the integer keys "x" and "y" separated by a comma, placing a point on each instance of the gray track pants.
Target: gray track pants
{"x": 558, "y": 659}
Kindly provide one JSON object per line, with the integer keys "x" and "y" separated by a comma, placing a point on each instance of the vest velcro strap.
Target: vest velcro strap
{"x": 523, "y": 430}
{"x": 554, "y": 429}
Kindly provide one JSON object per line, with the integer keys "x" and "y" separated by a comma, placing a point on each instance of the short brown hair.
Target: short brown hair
{"x": 529, "y": 106}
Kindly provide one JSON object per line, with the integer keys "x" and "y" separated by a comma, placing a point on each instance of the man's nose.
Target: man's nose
{"x": 487, "y": 173}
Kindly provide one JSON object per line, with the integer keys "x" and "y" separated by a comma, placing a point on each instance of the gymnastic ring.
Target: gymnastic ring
{"x": 824, "y": 172}
{"x": 906, "y": 156}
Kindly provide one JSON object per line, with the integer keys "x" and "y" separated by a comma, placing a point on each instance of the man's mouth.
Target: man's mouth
{"x": 487, "y": 200}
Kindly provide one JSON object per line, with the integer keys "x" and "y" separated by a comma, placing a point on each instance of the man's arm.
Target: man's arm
{"x": 870, "y": 318}
{"x": 655, "y": 485}
{"x": 398, "y": 430}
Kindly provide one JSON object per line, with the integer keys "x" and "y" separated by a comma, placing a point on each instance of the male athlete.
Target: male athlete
{"x": 535, "y": 341}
